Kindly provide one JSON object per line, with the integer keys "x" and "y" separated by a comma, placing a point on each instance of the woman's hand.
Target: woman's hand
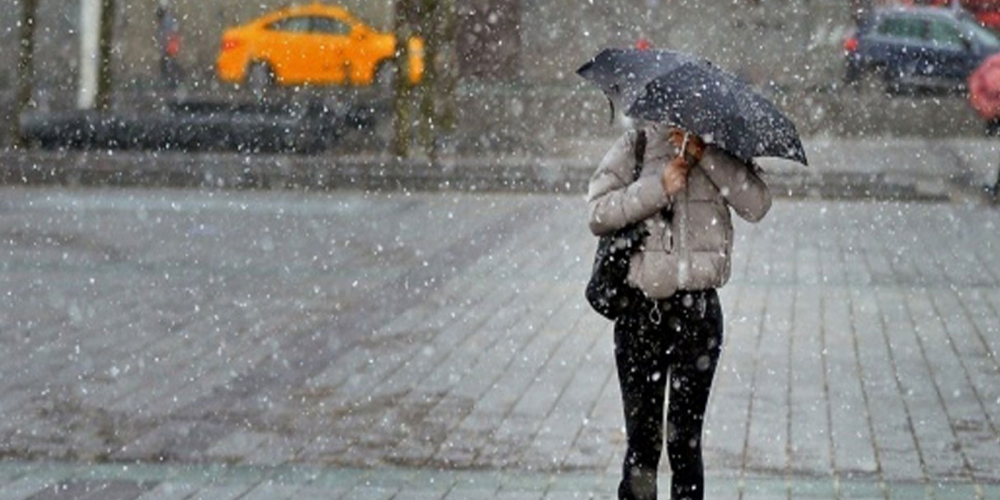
{"x": 695, "y": 146}
{"x": 674, "y": 177}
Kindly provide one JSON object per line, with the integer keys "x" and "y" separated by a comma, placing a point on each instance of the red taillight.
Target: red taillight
{"x": 230, "y": 44}
{"x": 851, "y": 44}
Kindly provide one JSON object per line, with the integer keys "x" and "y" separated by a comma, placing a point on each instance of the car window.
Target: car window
{"x": 943, "y": 34}
{"x": 330, "y": 26}
{"x": 983, "y": 36}
{"x": 298, "y": 24}
{"x": 902, "y": 27}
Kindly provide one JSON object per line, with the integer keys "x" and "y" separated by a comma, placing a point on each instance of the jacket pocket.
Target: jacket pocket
{"x": 708, "y": 227}
{"x": 661, "y": 235}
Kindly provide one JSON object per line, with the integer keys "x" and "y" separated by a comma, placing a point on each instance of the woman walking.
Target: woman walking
{"x": 681, "y": 195}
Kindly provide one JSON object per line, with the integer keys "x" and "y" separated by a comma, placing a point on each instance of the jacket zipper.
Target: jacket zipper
{"x": 683, "y": 261}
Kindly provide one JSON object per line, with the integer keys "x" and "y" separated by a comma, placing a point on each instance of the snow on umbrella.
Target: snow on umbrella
{"x": 984, "y": 88}
{"x": 698, "y": 96}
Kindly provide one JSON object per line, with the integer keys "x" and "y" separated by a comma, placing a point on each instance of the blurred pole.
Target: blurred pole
{"x": 427, "y": 29}
{"x": 169, "y": 41}
{"x": 104, "y": 75}
{"x": 651, "y": 7}
{"x": 994, "y": 190}
{"x": 25, "y": 67}
{"x": 860, "y": 9}
{"x": 90, "y": 20}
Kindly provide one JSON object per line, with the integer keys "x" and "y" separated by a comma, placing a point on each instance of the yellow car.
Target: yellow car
{"x": 311, "y": 44}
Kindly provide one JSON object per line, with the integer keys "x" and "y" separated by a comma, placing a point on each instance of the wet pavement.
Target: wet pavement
{"x": 161, "y": 344}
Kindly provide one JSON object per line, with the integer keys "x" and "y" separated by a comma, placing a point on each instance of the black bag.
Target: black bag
{"x": 607, "y": 291}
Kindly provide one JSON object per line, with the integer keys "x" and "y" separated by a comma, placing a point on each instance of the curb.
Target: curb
{"x": 324, "y": 172}
{"x": 225, "y": 170}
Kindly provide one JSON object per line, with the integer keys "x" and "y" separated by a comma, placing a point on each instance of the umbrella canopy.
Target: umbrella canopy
{"x": 984, "y": 88}
{"x": 698, "y": 96}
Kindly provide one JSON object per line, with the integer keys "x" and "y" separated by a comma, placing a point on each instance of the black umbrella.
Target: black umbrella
{"x": 698, "y": 96}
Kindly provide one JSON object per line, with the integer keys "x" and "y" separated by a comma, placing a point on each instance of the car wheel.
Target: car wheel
{"x": 851, "y": 77}
{"x": 892, "y": 81}
{"x": 853, "y": 71}
{"x": 260, "y": 77}
{"x": 385, "y": 73}
{"x": 865, "y": 79}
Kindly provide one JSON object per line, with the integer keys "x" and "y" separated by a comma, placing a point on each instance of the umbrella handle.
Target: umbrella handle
{"x": 684, "y": 150}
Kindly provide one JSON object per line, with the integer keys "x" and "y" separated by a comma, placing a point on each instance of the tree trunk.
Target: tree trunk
{"x": 433, "y": 99}
{"x": 104, "y": 76}
{"x": 401, "y": 96}
{"x": 449, "y": 72}
{"x": 438, "y": 87}
{"x": 25, "y": 68}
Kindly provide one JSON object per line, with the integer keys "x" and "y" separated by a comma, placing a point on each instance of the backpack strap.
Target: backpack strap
{"x": 640, "y": 153}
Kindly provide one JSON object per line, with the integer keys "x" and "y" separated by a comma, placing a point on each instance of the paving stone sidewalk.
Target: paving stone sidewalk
{"x": 223, "y": 344}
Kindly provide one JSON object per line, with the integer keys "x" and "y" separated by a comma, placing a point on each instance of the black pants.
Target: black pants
{"x": 679, "y": 338}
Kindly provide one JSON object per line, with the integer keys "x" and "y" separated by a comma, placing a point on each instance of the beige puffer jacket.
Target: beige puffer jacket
{"x": 691, "y": 249}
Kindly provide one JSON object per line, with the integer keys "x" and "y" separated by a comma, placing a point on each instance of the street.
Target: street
{"x": 159, "y": 343}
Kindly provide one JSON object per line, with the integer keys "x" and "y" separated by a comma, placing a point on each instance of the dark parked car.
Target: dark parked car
{"x": 918, "y": 48}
